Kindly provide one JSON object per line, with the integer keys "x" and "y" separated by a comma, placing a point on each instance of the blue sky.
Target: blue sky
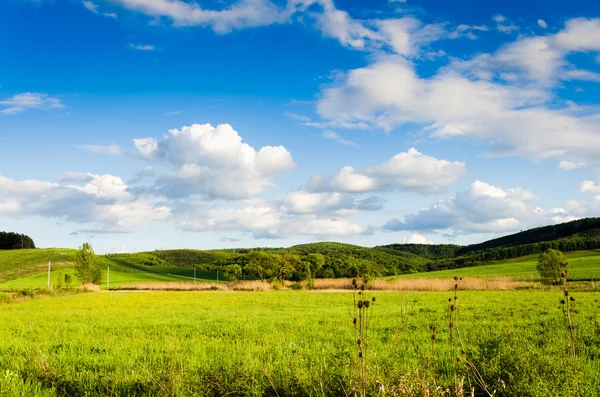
{"x": 144, "y": 124}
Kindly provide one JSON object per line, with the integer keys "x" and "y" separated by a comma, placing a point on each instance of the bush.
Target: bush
{"x": 5, "y": 298}
{"x": 68, "y": 281}
{"x": 296, "y": 286}
{"x": 27, "y": 292}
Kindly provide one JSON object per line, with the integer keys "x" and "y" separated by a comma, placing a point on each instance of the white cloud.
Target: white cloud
{"x": 416, "y": 238}
{"x": 332, "y": 136}
{"x": 409, "y": 171}
{"x": 111, "y": 150}
{"x": 240, "y": 15}
{"x": 102, "y": 200}
{"x": 407, "y": 35}
{"x": 213, "y": 162}
{"x": 90, "y": 6}
{"x": 504, "y": 98}
{"x": 30, "y": 100}
{"x": 327, "y": 203}
{"x": 542, "y": 23}
{"x": 481, "y": 209}
{"x": 579, "y": 35}
{"x": 141, "y": 47}
{"x": 266, "y": 222}
{"x": 570, "y": 165}
{"x": 504, "y": 25}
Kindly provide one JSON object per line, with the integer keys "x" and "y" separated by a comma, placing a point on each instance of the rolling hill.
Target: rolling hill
{"x": 324, "y": 259}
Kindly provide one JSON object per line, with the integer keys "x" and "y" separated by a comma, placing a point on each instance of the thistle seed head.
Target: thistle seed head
{"x": 358, "y": 341}
{"x": 366, "y": 304}
{"x": 455, "y": 278}
{"x": 354, "y": 281}
{"x": 354, "y": 321}
{"x": 373, "y": 299}
{"x": 360, "y": 304}
{"x": 451, "y": 324}
{"x": 572, "y": 299}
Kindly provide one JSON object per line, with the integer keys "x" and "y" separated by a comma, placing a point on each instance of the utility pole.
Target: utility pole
{"x": 49, "y": 274}
{"x": 108, "y": 277}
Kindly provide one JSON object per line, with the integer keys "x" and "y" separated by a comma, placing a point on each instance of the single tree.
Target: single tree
{"x": 549, "y": 266}
{"x": 85, "y": 270}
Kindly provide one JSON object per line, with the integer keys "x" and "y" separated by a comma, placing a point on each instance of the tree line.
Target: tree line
{"x": 13, "y": 241}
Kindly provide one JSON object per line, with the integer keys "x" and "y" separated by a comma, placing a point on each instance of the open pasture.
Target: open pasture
{"x": 583, "y": 266}
{"x": 291, "y": 343}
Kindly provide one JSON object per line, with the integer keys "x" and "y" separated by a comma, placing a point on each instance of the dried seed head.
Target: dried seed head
{"x": 455, "y": 287}
{"x": 362, "y": 287}
{"x": 562, "y": 301}
{"x": 359, "y": 354}
{"x": 566, "y": 292}
{"x": 358, "y": 341}
{"x": 354, "y": 281}
{"x": 455, "y": 297}
{"x": 460, "y": 278}
{"x": 572, "y": 299}
{"x": 365, "y": 280}
{"x": 458, "y": 359}
{"x": 360, "y": 292}
{"x": 433, "y": 336}
{"x": 452, "y": 308}
{"x": 354, "y": 321}
{"x": 449, "y": 299}
{"x": 463, "y": 351}
{"x": 366, "y": 304}
{"x": 432, "y": 327}
{"x": 451, "y": 324}
{"x": 360, "y": 304}
{"x": 373, "y": 299}
{"x": 455, "y": 278}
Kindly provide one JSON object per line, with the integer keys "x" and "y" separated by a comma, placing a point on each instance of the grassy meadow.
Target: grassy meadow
{"x": 28, "y": 269}
{"x": 583, "y": 266}
{"x": 292, "y": 343}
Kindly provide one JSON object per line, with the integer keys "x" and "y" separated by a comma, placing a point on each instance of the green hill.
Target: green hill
{"x": 28, "y": 268}
{"x": 583, "y": 234}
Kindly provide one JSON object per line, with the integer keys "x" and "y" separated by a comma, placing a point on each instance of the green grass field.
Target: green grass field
{"x": 583, "y": 266}
{"x": 291, "y": 343}
{"x": 28, "y": 269}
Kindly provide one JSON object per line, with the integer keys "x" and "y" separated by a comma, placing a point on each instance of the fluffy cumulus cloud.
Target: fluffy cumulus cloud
{"x": 213, "y": 162}
{"x": 483, "y": 208}
{"x": 29, "y": 100}
{"x": 100, "y": 200}
{"x": 505, "y": 98}
{"x": 408, "y": 171}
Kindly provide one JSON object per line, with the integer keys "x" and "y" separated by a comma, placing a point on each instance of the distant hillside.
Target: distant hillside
{"x": 339, "y": 260}
{"x": 588, "y": 227}
{"x": 583, "y": 234}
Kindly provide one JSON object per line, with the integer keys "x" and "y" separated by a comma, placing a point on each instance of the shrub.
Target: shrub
{"x": 296, "y": 286}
